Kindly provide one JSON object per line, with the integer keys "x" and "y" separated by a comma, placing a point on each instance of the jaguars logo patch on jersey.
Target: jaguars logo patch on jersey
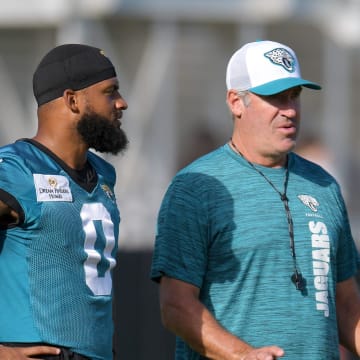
{"x": 108, "y": 192}
{"x": 309, "y": 201}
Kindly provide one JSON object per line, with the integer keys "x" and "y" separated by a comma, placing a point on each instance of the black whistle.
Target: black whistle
{"x": 298, "y": 280}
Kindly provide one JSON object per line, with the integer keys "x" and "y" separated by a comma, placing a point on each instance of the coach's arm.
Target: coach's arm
{"x": 348, "y": 314}
{"x": 183, "y": 314}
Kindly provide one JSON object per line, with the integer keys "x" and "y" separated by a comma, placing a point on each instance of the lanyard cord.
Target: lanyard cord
{"x": 296, "y": 278}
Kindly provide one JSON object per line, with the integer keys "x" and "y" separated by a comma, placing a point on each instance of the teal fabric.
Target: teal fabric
{"x": 223, "y": 228}
{"x": 55, "y": 268}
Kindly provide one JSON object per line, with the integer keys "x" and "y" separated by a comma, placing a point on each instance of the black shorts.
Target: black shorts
{"x": 65, "y": 354}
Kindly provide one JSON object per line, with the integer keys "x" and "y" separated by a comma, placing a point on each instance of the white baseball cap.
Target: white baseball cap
{"x": 265, "y": 68}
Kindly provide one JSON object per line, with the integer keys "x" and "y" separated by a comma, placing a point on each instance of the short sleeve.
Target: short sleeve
{"x": 16, "y": 184}
{"x": 182, "y": 233}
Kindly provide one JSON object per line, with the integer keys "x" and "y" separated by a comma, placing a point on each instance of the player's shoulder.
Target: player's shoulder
{"x": 11, "y": 148}
{"x": 17, "y": 150}
{"x": 18, "y": 160}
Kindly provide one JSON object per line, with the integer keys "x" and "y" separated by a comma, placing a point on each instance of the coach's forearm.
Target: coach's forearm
{"x": 348, "y": 314}
{"x": 183, "y": 314}
{"x": 197, "y": 327}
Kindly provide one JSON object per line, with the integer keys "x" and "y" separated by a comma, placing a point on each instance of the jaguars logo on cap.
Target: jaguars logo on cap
{"x": 282, "y": 57}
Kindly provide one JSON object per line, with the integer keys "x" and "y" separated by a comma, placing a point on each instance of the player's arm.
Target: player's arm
{"x": 183, "y": 314}
{"x": 8, "y": 216}
{"x": 348, "y": 314}
{"x": 27, "y": 353}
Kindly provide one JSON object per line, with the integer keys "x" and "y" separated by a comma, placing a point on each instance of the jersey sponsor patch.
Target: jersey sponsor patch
{"x": 52, "y": 188}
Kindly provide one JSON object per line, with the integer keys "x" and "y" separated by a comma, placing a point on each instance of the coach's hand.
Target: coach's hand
{"x": 264, "y": 353}
{"x": 27, "y": 353}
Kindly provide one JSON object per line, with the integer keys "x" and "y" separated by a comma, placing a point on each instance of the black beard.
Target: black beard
{"x": 101, "y": 134}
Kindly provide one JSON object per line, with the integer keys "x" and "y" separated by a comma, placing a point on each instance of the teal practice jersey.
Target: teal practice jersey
{"x": 55, "y": 266}
{"x": 223, "y": 228}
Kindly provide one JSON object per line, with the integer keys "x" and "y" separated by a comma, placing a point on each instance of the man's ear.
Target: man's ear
{"x": 71, "y": 100}
{"x": 235, "y": 102}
